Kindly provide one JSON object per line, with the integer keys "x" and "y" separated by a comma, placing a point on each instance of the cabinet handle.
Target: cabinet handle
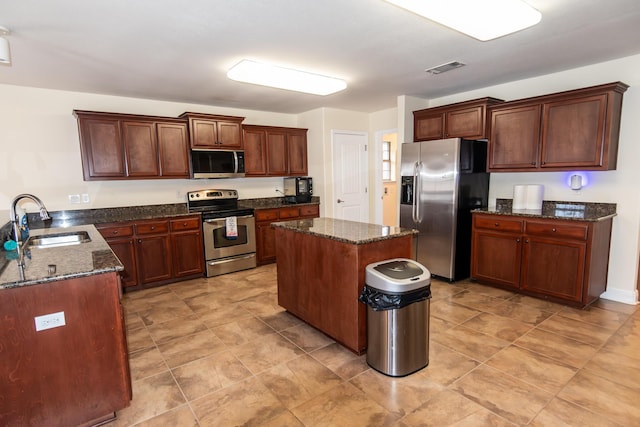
{"x": 543, "y": 163}
{"x": 139, "y": 240}
{"x": 553, "y": 229}
{"x": 497, "y": 224}
{"x": 153, "y": 227}
{"x": 533, "y": 163}
{"x": 115, "y": 232}
{"x": 526, "y": 240}
{"x": 517, "y": 240}
{"x": 184, "y": 224}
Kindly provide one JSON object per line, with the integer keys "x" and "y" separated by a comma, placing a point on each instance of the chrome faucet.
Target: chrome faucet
{"x": 15, "y": 221}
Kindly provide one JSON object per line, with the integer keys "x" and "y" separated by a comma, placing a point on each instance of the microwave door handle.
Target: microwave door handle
{"x": 211, "y": 221}
{"x": 235, "y": 162}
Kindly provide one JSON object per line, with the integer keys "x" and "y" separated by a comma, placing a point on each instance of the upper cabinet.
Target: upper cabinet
{"x": 462, "y": 120}
{"x": 275, "y": 151}
{"x": 125, "y": 146}
{"x": 563, "y": 131}
{"x": 211, "y": 132}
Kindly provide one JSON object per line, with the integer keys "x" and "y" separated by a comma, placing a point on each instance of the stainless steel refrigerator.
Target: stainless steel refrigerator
{"x": 442, "y": 181}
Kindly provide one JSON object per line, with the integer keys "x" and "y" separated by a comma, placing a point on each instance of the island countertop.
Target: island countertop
{"x": 83, "y": 259}
{"x": 352, "y": 232}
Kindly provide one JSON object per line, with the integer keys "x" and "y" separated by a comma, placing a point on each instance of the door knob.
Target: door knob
{"x": 340, "y": 201}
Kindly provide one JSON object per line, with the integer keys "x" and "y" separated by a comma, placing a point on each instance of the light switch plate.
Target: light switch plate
{"x": 49, "y": 321}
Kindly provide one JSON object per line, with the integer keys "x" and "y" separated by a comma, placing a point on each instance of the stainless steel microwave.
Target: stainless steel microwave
{"x": 217, "y": 164}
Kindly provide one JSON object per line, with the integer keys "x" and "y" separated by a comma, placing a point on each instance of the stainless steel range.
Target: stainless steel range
{"x": 229, "y": 232}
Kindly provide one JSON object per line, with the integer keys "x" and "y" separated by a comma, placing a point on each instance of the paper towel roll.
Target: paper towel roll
{"x": 519, "y": 197}
{"x": 534, "y": 197}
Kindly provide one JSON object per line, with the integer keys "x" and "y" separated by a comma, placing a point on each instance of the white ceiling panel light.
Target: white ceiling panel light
{"x": 284, "y": 78}
{"x": 483, "y": 20}
{"x": 5, "y": 53}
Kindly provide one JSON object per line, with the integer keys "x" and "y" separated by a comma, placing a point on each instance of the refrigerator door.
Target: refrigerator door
{"x": 437, "y": 201}
{"x": 409, "y": 184}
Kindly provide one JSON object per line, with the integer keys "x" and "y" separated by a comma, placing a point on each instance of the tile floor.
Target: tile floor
{"x": 221, "y": 352}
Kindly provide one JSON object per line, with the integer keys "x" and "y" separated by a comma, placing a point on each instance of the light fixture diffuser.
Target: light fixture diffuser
{"x": 483, "y": 20}
{"x": 5, "y": 53}
{"x": 284, "y": 78}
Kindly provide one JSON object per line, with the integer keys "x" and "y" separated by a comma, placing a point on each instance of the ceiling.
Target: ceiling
{"x": 180, "y": 51}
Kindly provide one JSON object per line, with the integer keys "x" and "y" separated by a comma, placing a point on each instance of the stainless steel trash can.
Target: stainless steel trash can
{"x": 397, "y": 293}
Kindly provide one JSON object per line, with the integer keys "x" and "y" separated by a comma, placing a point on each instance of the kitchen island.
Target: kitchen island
{"x": 321, "y": 271}
{"x": 62, "y": 336}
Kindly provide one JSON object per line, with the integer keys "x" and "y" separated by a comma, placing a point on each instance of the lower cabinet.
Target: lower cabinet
{"x": 562, "y": 260}
{"x": 266, "y": 236}
{"x": 157, "y": 251}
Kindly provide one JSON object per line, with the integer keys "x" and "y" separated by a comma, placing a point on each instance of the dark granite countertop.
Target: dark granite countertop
{"x": 573, "y": 211}
{"x": 84, "y": 259}
{"x": 357, "y": 233}
{"x": 273, "y": 202}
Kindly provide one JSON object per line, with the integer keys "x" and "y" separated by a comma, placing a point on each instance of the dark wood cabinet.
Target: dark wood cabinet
{"x": 126, "y": 146}
{"x": 265, "y": 234}
{"x": 461, "y": 120}
{"x": 573, "y": 130}
{"x": 563, "y": 260}
{"x": 71, "y": 375}
{"x": 157, "y": 251}
{"x": 275, "y": 151}
{"x": 210, "y": 131}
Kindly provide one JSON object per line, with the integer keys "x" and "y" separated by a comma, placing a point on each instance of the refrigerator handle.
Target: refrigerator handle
{"x": 415, "y": 212}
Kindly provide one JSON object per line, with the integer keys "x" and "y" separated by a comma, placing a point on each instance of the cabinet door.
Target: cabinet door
{"x": 102, "y": 148}
{"x": 204, "y": 133}
{"x": 514, "y": 138}
{"x": 154, "y": 258}
{"x": 496, "y": 257}
{"x": 229, "y": 135}
{"x": 141, "y": 148}
{"x": 188, "y": 256}
{"x": 554, "y": 267}
{"x": 465, "y": 123}
{"x": 573, "y": 132}
{"x": 297, "y": 151}
{"x": 255, "y": 152}
{"x": 277, "y": 157}
{"x": 174, "y": 150}
{"x": 427, "y": 126}
{"x": 265, "y": 243}
{"x": 125, "y": 251}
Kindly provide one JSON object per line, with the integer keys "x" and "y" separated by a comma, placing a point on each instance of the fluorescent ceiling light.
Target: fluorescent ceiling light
{"x": 483, "y": 20}
{"x": 284, "y": 78}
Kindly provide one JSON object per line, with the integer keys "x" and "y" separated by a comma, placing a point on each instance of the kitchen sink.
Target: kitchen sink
{"x": 58, "y": 239}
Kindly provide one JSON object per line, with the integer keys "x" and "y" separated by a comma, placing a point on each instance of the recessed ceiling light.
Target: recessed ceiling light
{"x": 483, "y": 20}
{"x": 284, "y": 78}
{"x": 443, "y": 68}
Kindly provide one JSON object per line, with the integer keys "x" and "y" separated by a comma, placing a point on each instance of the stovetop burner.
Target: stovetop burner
{"x": 215, "y": 203}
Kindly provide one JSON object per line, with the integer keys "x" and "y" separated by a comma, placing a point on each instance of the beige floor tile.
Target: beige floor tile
{"x": 284, "y": 419}
{"x": 520, "y": 312}
{"x": 242, "y": 331}
{"x": 618, "y": 368}
{"x": 445, "y": 409}
{"x": 577, "y": 330}
{"x": 146, "y": 362}
{"x": 451, "y": 312}
{"x": 192, "y": 347}
{"x": 179, "y": 417}
{"x": 132, "y": 320}
{"x": 439, "y": 326}
{"x": 209, "y": 374}
{"x": 475, "y": 300}
{"x": 344, "y": 405}
{"x": 540, "y": 304}
{"x": 533, "y": 368}
{"x": 306, "y": 337}
{"x": 470, "y": 342}
{"x": 498, "y": 326}
{"x": 563, "y": 349}
{"x": 483, "y": 417}
{"x": 441, "y": 290}
{"x": 176, "y": 328}
{"x": 341, "y": 361}
{"x": 489, "y": 291}
{"x": 596, "y": 316}
{"x": 445, "y": 365}
{"x": 502, "y": 394}
{"x": 560, "y": 413}
{"x": 152, "y": 396}
{"x": 606, "y": 304}
{"x": 262, "y": 305}
{"x": 281, "y": 320}
{"x": 299, "y": 380}
{"x": 266, "y": 352}
{"x": 222, "y": 315}
{"x": 164, "y": 312}
{"x": 139, "y": 339}
{"x": 191, "y": 288}
{"x": 397, "y": 395}
{"x": 604, "y": 397}
{"x": 625, "y": 341}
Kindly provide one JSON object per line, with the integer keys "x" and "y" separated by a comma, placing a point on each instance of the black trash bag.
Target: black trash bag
{"x": 380, "y": 301}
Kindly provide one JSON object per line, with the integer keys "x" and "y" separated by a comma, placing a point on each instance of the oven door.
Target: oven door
{"x": 216, "y": 243}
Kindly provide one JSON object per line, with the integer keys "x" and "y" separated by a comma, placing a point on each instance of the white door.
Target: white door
{"x": 350, "y": 175}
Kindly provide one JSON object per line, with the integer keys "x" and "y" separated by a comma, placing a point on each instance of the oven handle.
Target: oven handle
{"x": 222, "y": 220}
{"x": 231, "y": 260}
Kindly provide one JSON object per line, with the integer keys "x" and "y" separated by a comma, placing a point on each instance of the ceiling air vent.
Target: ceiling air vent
{"x": 445, "y": 67}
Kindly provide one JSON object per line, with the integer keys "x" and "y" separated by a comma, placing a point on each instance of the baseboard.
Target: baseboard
{"x": 620, "y": 295}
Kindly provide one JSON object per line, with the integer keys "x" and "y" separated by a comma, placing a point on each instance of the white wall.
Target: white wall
{"x": 619, "y": 186}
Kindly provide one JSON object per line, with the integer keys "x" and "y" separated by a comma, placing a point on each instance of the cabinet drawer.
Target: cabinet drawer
{"x": 266, "y": 214}
{"x": 498, "y": 224}
{"x": 152, "y": 227}
{"x": 553, "y": 229}
{"x": 123, "y": 230}
{"x": 309, "y": 210}
{"x": 286, "y": 213}
{"x": 185, "y": 224}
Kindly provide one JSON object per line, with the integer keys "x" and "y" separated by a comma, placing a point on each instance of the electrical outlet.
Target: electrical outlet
{"x": 85, "y": 198}
{"x": 74, "y": 198}
{"x": 49, "y": 321}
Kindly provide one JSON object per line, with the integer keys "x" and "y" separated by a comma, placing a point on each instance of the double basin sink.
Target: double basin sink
{"x": 58, "y": 239}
